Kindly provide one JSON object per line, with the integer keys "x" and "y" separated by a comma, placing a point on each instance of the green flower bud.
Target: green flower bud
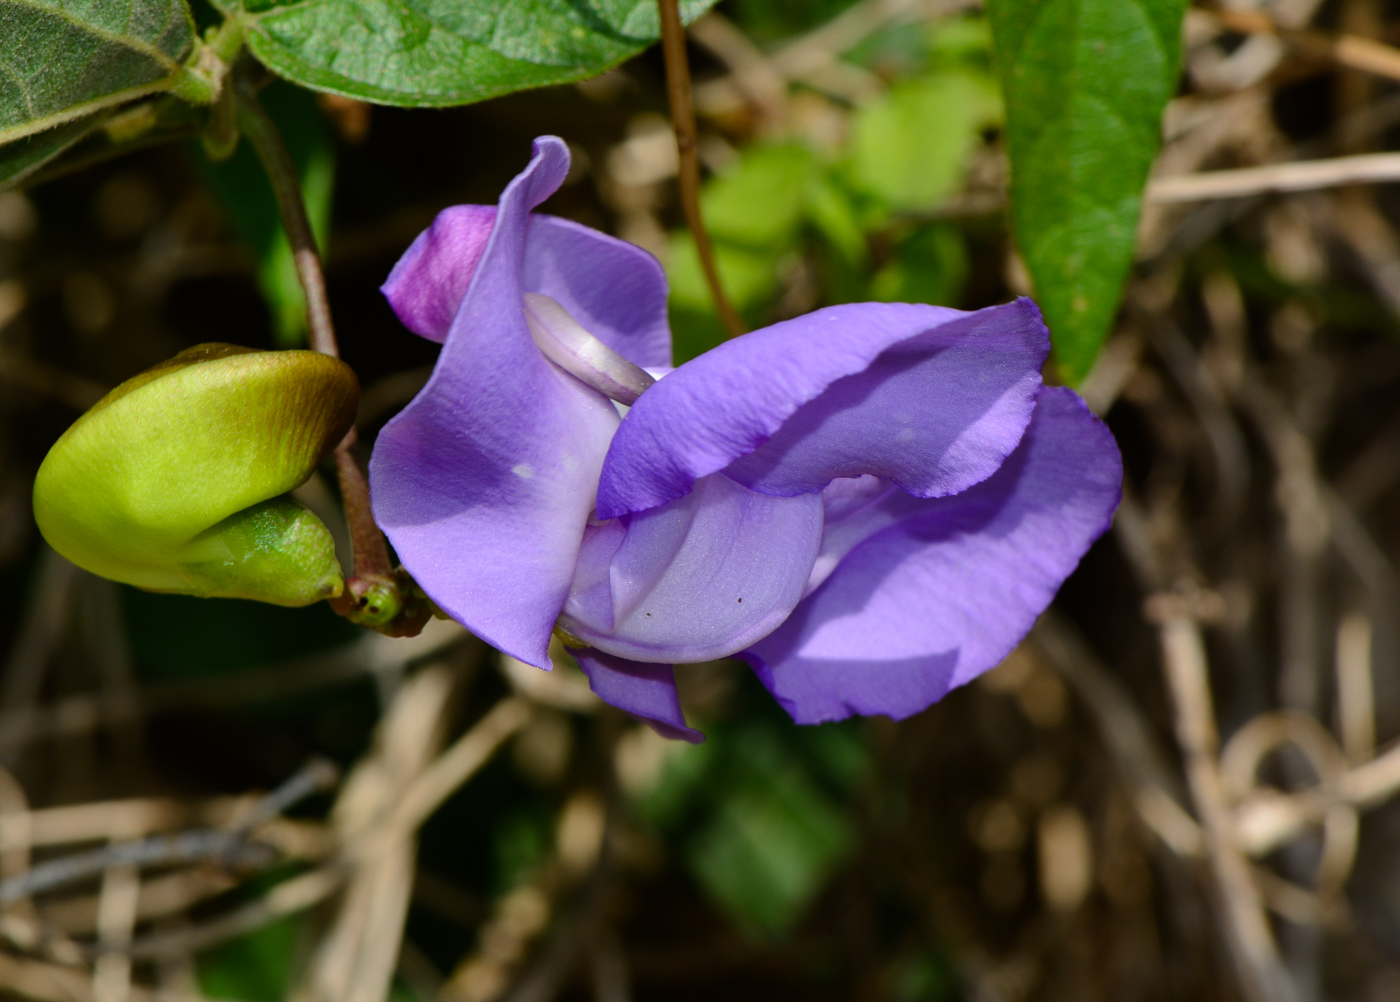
{"x": 175, "y": 480}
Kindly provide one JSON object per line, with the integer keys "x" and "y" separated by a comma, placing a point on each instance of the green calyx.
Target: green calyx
{"x": 175, "y": 480}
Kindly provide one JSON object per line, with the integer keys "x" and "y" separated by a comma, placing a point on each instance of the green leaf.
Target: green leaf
{"x": 910, "y": 147}
{"x": 62, "y": 60}
{"x": 773, "y": 841}
{"x": 429, "y": 53}
{"x": 247, "y": 196}
{"x": 21, "y": 158}
{"x": 254, "y": 968}
{"x": 79, "y": 144}
{"x": 754, "y": 212}
{"x": 930, "y": 266}
{"x": 1085, "y": 83}
{"x": 759, "y": 203}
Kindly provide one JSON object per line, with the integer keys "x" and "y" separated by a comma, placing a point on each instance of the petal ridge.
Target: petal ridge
{"x": 728, "y": 403}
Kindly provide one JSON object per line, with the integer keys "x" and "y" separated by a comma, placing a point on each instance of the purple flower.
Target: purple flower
{"x": 869, "y": 504}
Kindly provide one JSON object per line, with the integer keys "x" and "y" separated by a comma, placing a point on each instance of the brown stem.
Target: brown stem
{"x": 683, "y": 120}
{"x": 375, "y": 594}
{"x": 370, "y": 553}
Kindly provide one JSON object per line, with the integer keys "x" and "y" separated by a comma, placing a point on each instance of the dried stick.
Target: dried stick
{"x": 1298, "y": 176}
{"x": 1355, "y": 52}
{"x": 231, "y": 846}
{"x": 683, "y": 121}
{"x": 1262, "y": 975}
{"x": 372, "y": 654}
{"x": 433, "y": 785}
{"x": 453, "y": 767}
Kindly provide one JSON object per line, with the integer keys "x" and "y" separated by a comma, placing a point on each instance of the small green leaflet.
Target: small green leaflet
{"x": 1085, "y": 82}
{"x": 62, "y": 60}
{"x": 429, "y": 53}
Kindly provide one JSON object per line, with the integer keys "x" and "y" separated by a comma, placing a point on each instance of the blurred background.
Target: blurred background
{"x": 1030, "y": 837}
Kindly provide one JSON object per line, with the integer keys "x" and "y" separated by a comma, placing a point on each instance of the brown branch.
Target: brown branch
{"x": 683, "y": 121}
{"x": 371, "y": 553}
{"x": 375, "y": 594}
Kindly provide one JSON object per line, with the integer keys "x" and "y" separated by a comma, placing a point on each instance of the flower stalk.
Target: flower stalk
{"x": 376, "y": 594}
{"x": 682, "y": 99}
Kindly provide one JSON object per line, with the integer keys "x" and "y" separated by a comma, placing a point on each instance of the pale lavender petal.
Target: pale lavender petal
{"x": 616, "y": 290}
{"x": 946, "y": 591}
{"x": 695, "y": 579}
{"x": 562, "y": 340}
{"x": 642, "y": 689}
{"x": 484, "y": 483}
{"x": 428, "y": 283}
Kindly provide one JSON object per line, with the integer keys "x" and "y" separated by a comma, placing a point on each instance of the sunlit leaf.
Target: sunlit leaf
{"x": 1085, "y": 83}
{"x": 62, "y": 60}
{"x": 759, "y": 202}
{"x": 420, "y": 53}
{"x": 911, "y": 147}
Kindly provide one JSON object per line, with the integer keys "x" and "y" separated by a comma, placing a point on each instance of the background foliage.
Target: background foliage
{"x": 994, "y": 847}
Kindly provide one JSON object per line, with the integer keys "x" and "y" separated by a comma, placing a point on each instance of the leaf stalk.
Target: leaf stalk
{"x": 682, "y": 101}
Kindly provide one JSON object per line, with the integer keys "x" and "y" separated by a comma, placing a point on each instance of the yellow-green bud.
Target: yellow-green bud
{"x": 175, "y": 480}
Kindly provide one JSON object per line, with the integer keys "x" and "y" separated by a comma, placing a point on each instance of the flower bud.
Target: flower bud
{"x": 175, "y": 480}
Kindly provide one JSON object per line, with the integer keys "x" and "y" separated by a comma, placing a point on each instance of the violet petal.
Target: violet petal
{"x": 642, "y": 689}
{"x": 484, "y": 483}
{"x": 614, "y": 289}
{"x": 429, "y": 282}
{"x": 929, "y": 397}
{"x": 943, "y": 594}
{"x": 697, "y": 578}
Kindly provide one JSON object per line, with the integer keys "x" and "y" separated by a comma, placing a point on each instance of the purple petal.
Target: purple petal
{"x": 944, "y": 593}
{"x": 616, "y": 290}
{"x": 931, "y": 398}
{"x": 485, "y": 481}
{"x": 695, "y": 579}
{"x": 430, "y": 280}
{"x": 642, "y": 689}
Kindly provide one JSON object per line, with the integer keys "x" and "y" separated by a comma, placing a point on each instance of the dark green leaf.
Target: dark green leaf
{"x": 77, "y": 145}
{"x": 773, "y": 841}
{"x": 62, "y": 60}
{"x": 930, "y": 266}
{"x": 421, "y": 53}
{"x": 23, "y": 157}
{"x": 252, "y": 208}
{"x": 1085, "y": 82}
{"x": 255, "y": 968}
